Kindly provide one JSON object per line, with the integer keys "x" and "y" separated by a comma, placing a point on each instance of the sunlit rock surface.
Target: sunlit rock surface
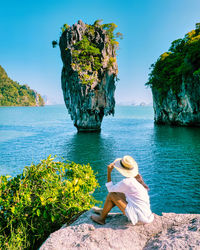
{"x": 88, "y": 103}
{"x": 169, "y": 231}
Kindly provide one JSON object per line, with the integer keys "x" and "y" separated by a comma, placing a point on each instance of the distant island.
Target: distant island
{"x": 175, "y": 82}
{"x": 14, "y": 94}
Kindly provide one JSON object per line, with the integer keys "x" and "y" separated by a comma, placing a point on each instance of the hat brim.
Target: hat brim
{"x": 125, "y": 172}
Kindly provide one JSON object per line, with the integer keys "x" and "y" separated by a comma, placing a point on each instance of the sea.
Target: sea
{"x": 168, "y": 157}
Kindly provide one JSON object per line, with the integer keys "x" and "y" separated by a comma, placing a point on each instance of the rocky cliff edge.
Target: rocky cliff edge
{"x": 169, "y": 231}
{"x": 182, "y": 108}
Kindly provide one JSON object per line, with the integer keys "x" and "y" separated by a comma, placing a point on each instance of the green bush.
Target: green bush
{"x": 111, "y": 62}
{"x": 182, "y": 61}
{"x": 64, "y": 27}
{"x": 41, "y": 199}
{"x": 86, "y": 57}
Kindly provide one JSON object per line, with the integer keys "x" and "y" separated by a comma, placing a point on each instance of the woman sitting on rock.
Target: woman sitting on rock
{"x": 130, "y": 195}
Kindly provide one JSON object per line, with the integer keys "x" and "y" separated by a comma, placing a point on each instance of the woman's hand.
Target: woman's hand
{"x": 110, "y": 167}
{"x": 109, "y": 170}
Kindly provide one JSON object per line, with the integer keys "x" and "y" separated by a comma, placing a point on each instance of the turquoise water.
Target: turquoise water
{"x": 168, "y": 157}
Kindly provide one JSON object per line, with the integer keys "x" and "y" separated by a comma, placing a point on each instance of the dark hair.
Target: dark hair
{"x": 140, "y": 180}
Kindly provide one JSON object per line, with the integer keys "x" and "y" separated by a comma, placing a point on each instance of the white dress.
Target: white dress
{"x": 138, "y": 207}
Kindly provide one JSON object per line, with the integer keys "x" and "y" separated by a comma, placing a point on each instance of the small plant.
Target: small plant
{"x": 41, "y": 200}
{"x": 197, "y": 73}
{"x": 90, "y": 30}
{"x": 111, "y": 61}
{"x": 64, "y": 27}
{"x": 54, "y": 43}
{"x": 98, "y": 22}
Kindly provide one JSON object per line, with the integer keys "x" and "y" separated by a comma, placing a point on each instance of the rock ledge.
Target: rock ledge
{"x": 169, "y": 231}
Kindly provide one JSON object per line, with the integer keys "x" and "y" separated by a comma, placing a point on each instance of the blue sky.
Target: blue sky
{"x": 148, "y": 26}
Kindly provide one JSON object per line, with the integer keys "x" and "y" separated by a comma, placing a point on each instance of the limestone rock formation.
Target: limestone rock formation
{"x": 89, "y": 72}
{"x": 169, "y": 231}
{"x": 182, "y": 108}
{"x": 175, "y": 82}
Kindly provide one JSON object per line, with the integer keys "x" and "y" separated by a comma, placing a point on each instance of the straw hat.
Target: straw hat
{"x": 127, "y": 166}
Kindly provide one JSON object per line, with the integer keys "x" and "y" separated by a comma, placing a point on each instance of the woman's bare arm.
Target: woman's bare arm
{"x": 109, "y": 170}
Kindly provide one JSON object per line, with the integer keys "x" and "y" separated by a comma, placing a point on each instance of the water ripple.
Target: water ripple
{"x": 168, "y": 157}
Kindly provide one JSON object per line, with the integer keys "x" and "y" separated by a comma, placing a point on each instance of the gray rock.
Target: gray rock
{"x": 88, "y": 103}
{"x": 182, "y": 108}
{"x": 169, "y": 231}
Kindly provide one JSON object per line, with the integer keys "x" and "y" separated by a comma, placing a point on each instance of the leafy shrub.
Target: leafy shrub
{"x": 41, "y": 199}
{"x": 64, "y": 27}
{"x": 98, "y": 22}
{"x": 111, "y": 62}
{"x": 180, "y": 62}
{"x": 86, "y": 56}
{"x": 84, "y": 51}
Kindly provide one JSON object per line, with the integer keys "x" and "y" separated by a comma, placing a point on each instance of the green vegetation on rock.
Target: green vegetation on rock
{"x": 182, "y": 61}
{"x": 64, "y": 27}
{"x": 86, "y": 54}
{"x": 83, "y": 54}
{"x": 111, "y": 61}
{"x": 41, "y": 199}
{"x": 14, "y": 94}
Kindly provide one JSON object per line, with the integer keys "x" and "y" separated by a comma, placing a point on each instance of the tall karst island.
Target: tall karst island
{"x": 175, "y": 82}
{"x": 89, "y": 72}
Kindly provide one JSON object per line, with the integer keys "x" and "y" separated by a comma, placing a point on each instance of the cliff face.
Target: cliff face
{"x": 182, "y": 108}
{"x": 175, "y": 82}
{"x": 88, "y": 74}
{"x": 169, "y": 231}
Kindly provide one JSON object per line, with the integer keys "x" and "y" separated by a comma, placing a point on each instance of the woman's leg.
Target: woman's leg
{"x": 112, "y": 199}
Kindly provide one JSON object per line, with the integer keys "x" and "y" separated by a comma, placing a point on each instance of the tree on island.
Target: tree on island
{"x": 175, "y": 82}
{"x": 14, "y": 94}
{"x": 181, "y": 61}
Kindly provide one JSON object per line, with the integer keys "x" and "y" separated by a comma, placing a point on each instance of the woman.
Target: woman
{"x": 130, "y": 195}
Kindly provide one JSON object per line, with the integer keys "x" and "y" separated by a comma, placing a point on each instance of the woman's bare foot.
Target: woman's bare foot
{"x": 98, "y": 219}
{"x": 97, "y": 210}
{"x": 139, "y": 223}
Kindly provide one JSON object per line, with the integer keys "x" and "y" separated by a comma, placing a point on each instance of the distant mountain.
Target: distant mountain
{"x": 51, "y": 101}
{"x": 14, "y": 94}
